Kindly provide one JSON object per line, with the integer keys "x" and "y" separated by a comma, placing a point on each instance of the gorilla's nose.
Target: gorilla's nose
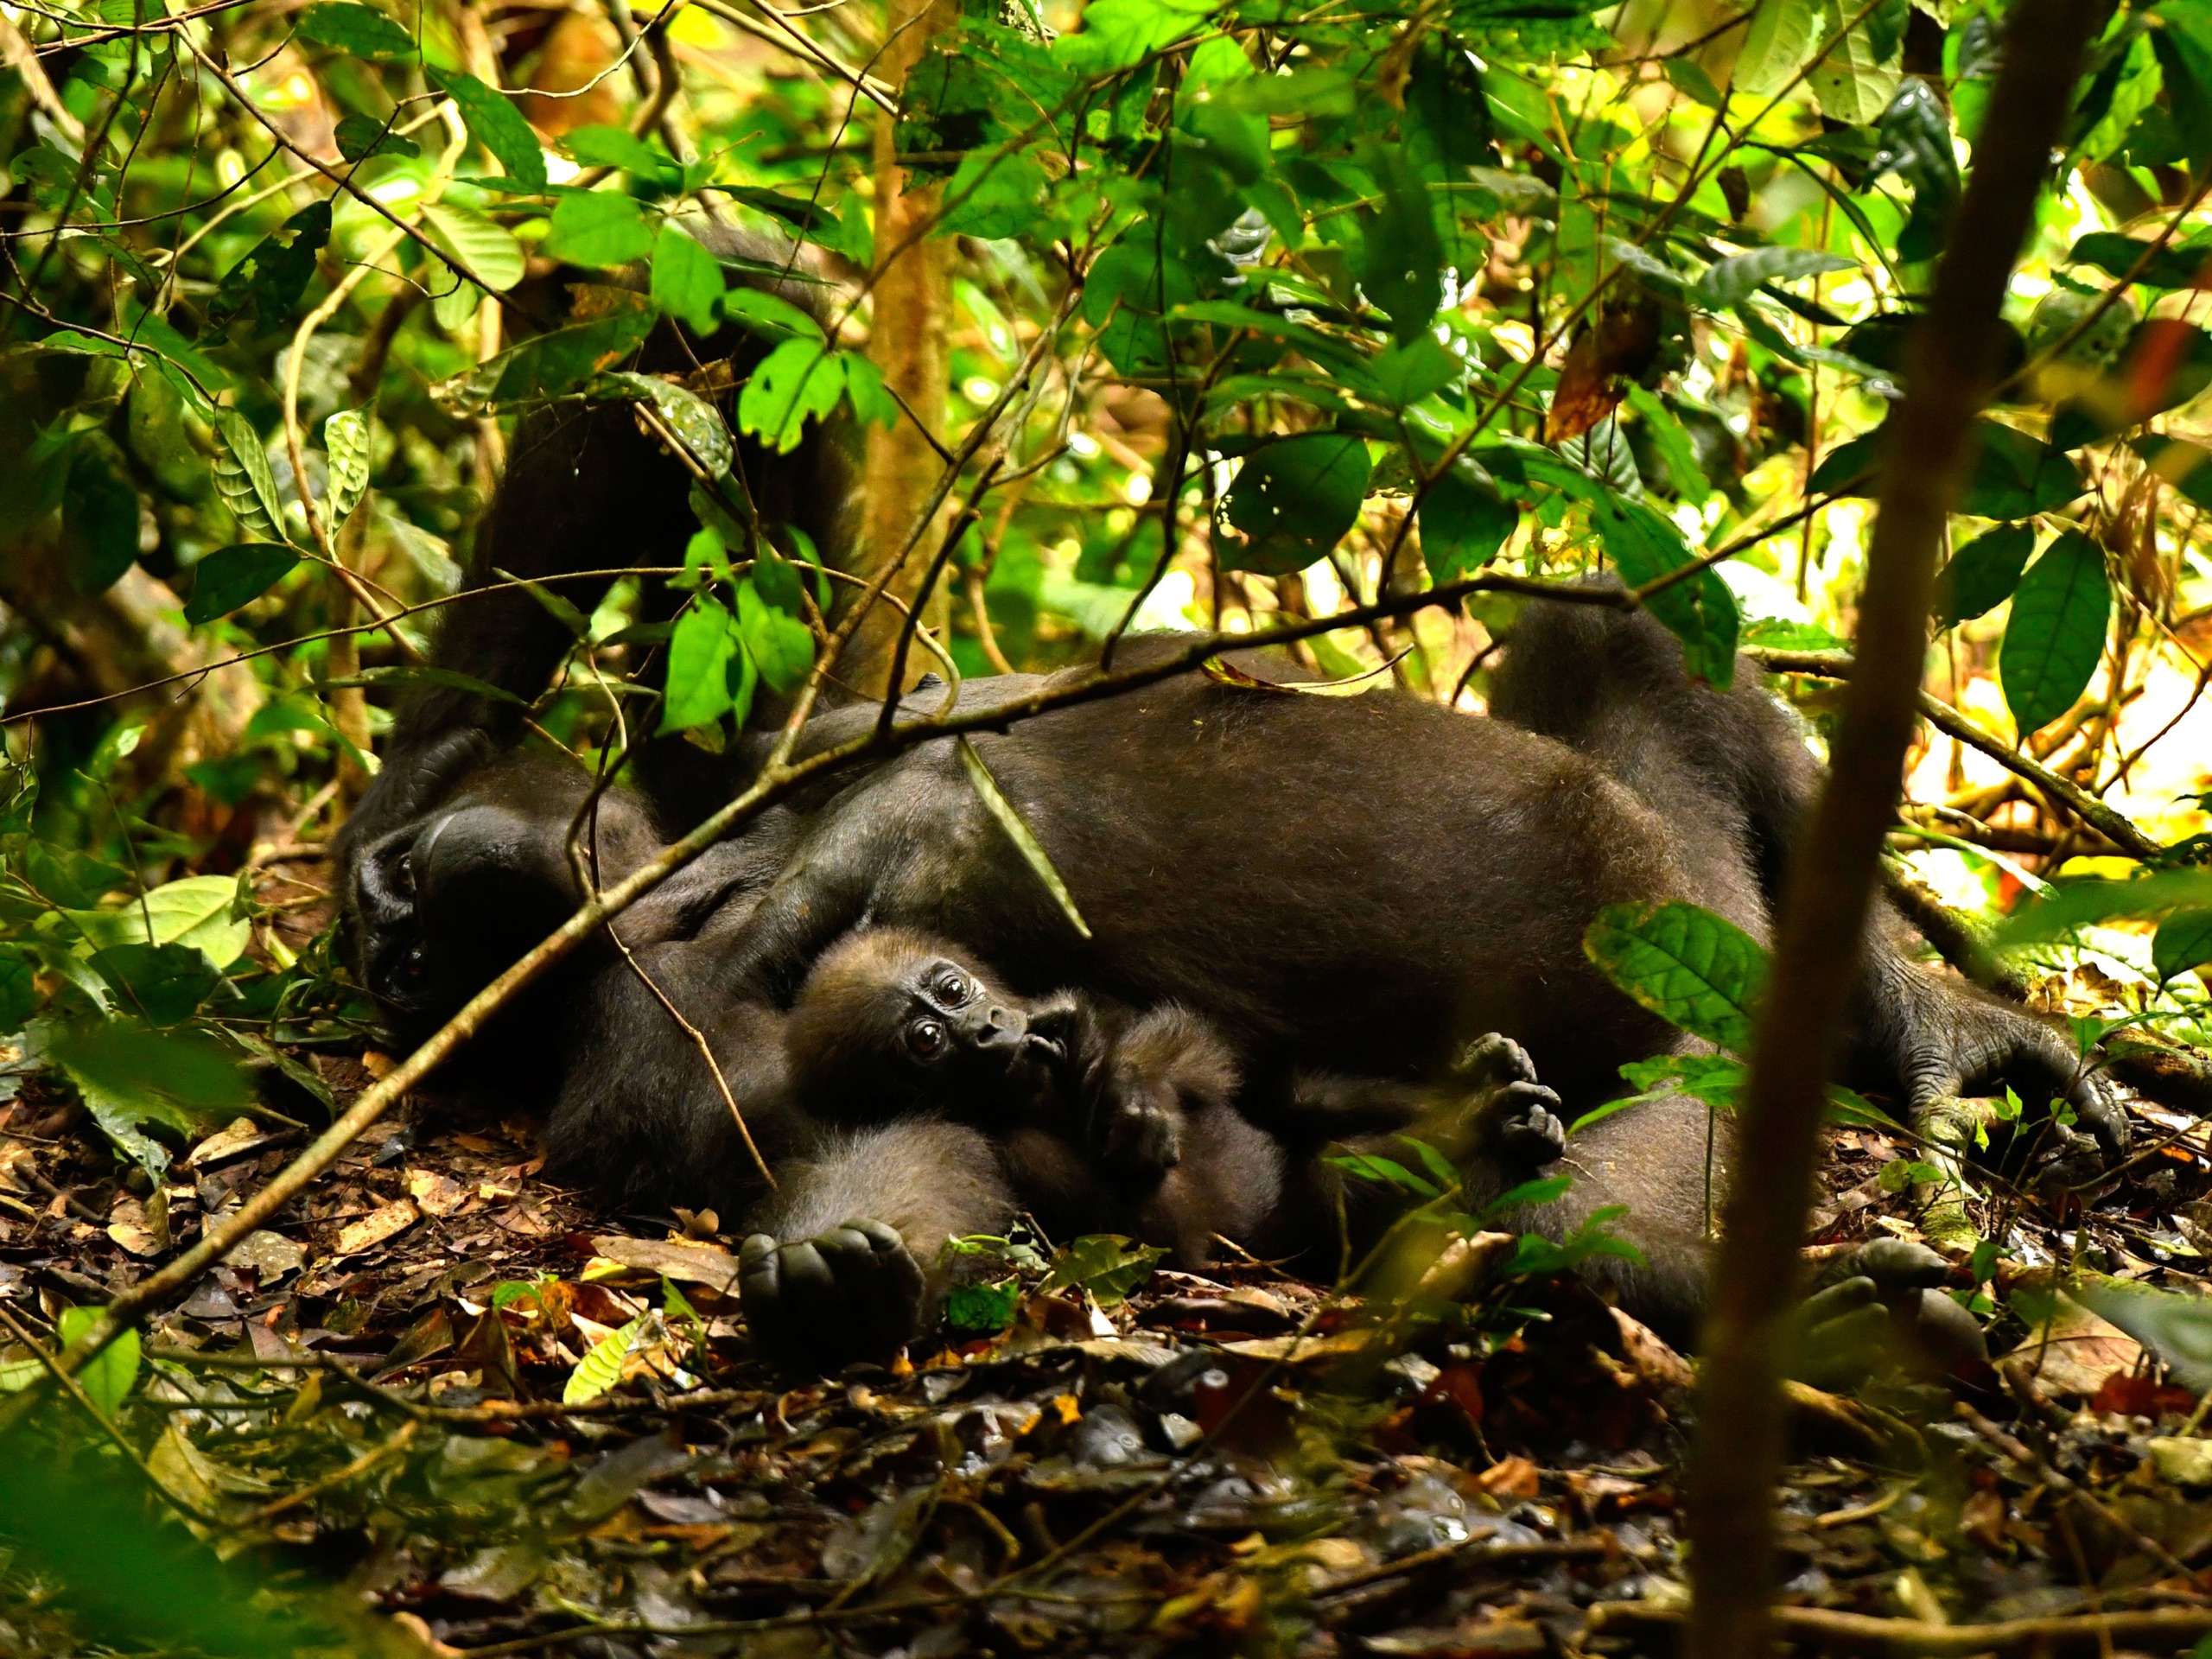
{"x": 1002, "y": 1028}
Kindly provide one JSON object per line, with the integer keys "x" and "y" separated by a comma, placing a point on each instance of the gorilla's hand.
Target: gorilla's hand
{"x": 1523, "y": 1118}
{"x": 1890, "y": 1311}
{"x": 1957, "y": 1042}
{"x": 853, "y": 1293}
{"x": 1139, "y": 1128}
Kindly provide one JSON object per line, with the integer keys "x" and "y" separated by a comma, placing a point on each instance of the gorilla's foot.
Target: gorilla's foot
{"x": 1517, "y": 1117}
{"x": 853, "y": 1293}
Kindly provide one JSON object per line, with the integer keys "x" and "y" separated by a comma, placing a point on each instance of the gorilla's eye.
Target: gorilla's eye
{"x": 954, "y": 989}
{"x": 926, "y": 1039}
{"x": 402, "y": 872}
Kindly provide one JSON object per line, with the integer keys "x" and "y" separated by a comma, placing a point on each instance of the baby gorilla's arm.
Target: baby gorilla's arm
{"x": 1492, "y": 1107}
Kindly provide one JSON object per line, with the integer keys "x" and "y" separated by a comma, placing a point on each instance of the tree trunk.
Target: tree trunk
{"x": 909, "y": 341}
{"x": 1825, "y": 907}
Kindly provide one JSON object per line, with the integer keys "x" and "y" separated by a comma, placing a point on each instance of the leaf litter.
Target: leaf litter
{"x": 505, "y": 1421}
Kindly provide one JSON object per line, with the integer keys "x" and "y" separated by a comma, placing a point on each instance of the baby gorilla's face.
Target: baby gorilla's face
{"x": 953, "y": 1027}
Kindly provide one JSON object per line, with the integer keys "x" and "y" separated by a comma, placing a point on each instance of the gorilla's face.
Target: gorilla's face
{"x": 443, "y": 905}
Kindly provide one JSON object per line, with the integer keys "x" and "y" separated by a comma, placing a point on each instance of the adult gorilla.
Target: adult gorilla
{"x": 1356, "y": 885}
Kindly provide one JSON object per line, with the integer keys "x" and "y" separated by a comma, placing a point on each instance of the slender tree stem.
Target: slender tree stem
{"x": 1830, "y": 889}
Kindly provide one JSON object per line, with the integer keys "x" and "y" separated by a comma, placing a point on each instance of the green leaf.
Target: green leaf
{"x": 362, "y": 31}
{"x": 2176, "y": 1327}
{"x": 100, "y": 518}
{"x": 699, "y": 657}
{"x": 1982, "y": 574}
{"x": 1856, "y": 80}
{"x": 780, "y": 645}
{"x": 360, "y": 136}
{"x": 488, "y": 251}
{"x": 1672, "y": 440}
{"x": 687, "y": 283}
{"x": 800, "y": 380}
{"x": 1024, "y": 840}
{"x": 1402, "y": 266}
{"x": 602, "y": 1369}
{"x": 1464, "y": 521}
{"x": 549, "y": 364}
{"x": 602, "y": 227}
{"x": 1294, "y": 500}
{"x": 199, "y": 910}
{"x": 132, "y": 1075}
{"x": 617, "y": 148}
{"x": 1700, "y": 611}
{"x": 2017, "y": 477}
{"x": 65, "y": 877}
{"x": 697, "y": 422}
{"x": 1107, "y": 1265}
{"x": 2069, "y": 905}
{"x": 346, "y": 443}
{"x": 873, "y": 405}
{"x": 243, "y": 478}
{"x": 232, "y": 576}
{"x": 106, "y": 1380}
{"x": 1730, "y": 281}
{"x": 497, "y": 124}
{"x": 1782, "y": 35}
{"x": 164, "y": 984}
{"x": 19, "y": 997}
{"x": 270, "y": 281}
{"x": 770, "y": 314}
{"x": 2115, "y": 254}
{"x": 988, "y": 1308}
{"x": 1693, "y": 969}
{"x": 2184, "y": 942}
{"x": 2057, "y": 632}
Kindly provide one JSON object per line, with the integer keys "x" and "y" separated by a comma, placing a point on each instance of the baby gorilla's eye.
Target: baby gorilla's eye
{"x": 954, "y": 989}
{"x": 926, "y": 1039}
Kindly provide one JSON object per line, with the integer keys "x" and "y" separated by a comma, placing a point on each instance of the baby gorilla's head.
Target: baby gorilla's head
{"x": 890, "y": 1019}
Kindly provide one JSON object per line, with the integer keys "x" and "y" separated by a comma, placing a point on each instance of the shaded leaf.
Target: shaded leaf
{"x": 697, "y": 422}
{"x": 243, "y": 478}
{"x": 1730, "y": 281}
{"x": 164, "y": 984}
{"x": 2184, "y": 942}
{"x": 362, "y": 31}
{"x": 1464, "y": 521}
{"x": 2057, "y": 632}
{"x": 132, "y": 1075}
{"x": 232, "y": 576}
{"x": 687, "y": 283}
{"x": 1982, "y": 574}
{"x": 1294, "y": 500}
{"x": 100, "y": 518}
{"x": 599, "y": 228}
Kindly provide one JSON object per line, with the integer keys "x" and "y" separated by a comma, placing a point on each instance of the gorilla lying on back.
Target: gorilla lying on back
{"x": 1346, "y": 887}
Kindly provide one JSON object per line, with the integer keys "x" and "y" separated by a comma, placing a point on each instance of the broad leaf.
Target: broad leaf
{"x": 1730, "y": 281}
{"x": 800, "y": 381}
{"x": 243, "y": 478}
{"x": 488, "y": 250}
{"x": 2057, "y": 632}
{"x": 697, "y": 422}
{"x": 1464, "y": 521}
{"x": 1982, "y": 574}
{"x": 132, "y": 1075}
{"x": 363, "y": 31}
{"x": 347, "y": 442}
{"x": 1695, "y": 969}
{"x": 232, "y": 576}
{"x": 495, "y": 124}
{"x": 2184, "y": 942}
{"x": 687, "y": 283}
{"x": 106, "y": 1380}
{"x": 199, "y": 910}
{"x": 703, "y": 654}
{"x": 600, "y": 228}
{"x": 164, "y": 984}
{"x": 780, "y": 645}
{"x": 1294, "y": 500}
{"x": 1698, "y": 610}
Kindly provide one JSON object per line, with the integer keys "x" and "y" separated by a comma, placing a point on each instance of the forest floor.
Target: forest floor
{"x": 371, "y": 1394}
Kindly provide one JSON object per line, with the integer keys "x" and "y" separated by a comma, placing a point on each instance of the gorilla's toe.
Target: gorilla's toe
{"x": 855, "y": 1292}
{"x": 1531, "y": 1128}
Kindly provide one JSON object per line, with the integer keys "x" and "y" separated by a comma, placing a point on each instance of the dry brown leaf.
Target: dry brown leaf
{"x": 436, "y": 1193}
{"x": 386, "y": 1220}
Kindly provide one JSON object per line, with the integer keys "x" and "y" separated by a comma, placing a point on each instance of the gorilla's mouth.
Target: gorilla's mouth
{"x": 396, "y": 968}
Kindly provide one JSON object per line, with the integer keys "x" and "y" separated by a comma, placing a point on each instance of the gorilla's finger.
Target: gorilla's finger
{"x": 1845, "y": 1349}
{"x": 2101, "y": 1109}
{"x": 1837, "y": 1301}
{"x": 1897, "y": 1263}
{"x": 808, "y": 1281}
{"x": 1495, "y": 1057}
{"x": 1948, "y": 1334}
{"x": 882, "y": 1234}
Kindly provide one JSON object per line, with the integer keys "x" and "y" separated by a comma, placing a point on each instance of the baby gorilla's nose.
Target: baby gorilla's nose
{"x": 1002, "y": 1028}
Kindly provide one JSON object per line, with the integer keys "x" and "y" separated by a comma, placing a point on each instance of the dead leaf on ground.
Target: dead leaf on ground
{"x": 677, "y": 1259}
{"x": 386, "y": 1220}
{"x": 437, "y": 1194}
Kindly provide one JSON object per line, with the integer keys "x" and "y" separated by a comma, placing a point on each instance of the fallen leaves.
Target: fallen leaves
{"x": 386, "y": 1222}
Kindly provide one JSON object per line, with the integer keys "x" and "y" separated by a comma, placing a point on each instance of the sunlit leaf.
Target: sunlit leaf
{"x": 488, "y": 250}
{"x": 687, "y": 283}
{"x": 346, "y": 438}
{"x": 363, "y": 31}
{"x": 106, "y": 1379}
{"x": 495, "y": 124}
{"x": 701, "y": 655}
{"x": 242, "y": 476}
{"x": 800, "y": 381}
{"x": 602, "y": 227}
{"x": 1693, "y": 969}
{"x": 1982, "y": 574}
{"x": 696, "y": 423}
{"x": 602, "y": 1369}
{"x": 1730, "y": 282}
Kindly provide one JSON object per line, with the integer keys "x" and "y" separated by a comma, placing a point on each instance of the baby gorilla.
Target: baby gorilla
{"x": 1108, "y": 1118}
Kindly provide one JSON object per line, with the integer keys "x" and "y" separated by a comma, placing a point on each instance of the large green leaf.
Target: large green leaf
{"x": 1464, "y": 521}
{"x": 1856, "y": 80}
{"x": 1693, "y": 969}
{"x": 547, "y": 366}
{"x": 164, "y": 984}
{"x": 695, "y": 421}
{"x": 132, "y": 1075}
{"x": 703, "y": 657}
{"x": 495, "y": 124}
{"x": 1293, "y": 500}
{"x": 488, "y": 250}
{"x": 780, "y": 645}
{"x": 232, "y": 576}
{"x": 800, "y": 381}
{"x": 1782, "y": 35}
{"x": 199, "y": 910}
{"x": 1699, "y": 610}
{"x": 2057, "y": 632}
{"x": 687, "y": 283}
{"x": 2017, "y": 477}
{"x": 1982, "y": 574}
{"x": 1730, "y": 281}
{"x": 107, "y": 1378}
{"x": 362, "y": 31}
{"x": 600, "y": 227}
{"x": 99, "y": 517}
{"x": 2184, "y": 942}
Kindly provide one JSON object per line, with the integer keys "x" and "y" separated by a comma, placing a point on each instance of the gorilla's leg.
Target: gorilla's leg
{"x": 844, "y": 1266}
